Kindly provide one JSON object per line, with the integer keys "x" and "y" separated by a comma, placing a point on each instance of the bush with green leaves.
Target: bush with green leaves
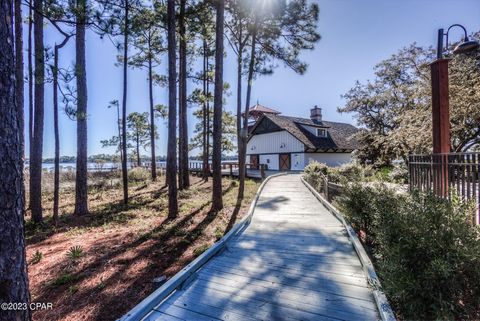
{"x": 138, "y": 174}
{"x": 75, "y": 252}
{"x": 36, "y": 257}
{"x": 314, "y": 174}
{"x": 399, "y": 174}
{"x": 316, "y": 167}
{"x": 426, "y": 251}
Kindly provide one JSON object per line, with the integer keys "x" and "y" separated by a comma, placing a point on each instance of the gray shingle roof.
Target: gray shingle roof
{"x": 339, "y": 138}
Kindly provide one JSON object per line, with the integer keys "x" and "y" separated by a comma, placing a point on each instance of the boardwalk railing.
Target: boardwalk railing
{"x": 323, "y": 186}
{"x": 444, "y": 173}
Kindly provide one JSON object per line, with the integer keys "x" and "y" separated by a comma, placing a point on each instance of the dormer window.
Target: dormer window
{"x": 321, "y": 132}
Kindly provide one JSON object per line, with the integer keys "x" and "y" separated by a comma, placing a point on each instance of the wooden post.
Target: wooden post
{"x": 440, "y": 121}
{"x": 325, "y": 181}
{"x": 231, "y": 170}
{"x": 262, "y": 171}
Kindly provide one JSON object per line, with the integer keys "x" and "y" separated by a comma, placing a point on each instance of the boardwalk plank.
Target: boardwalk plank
{"x": 302, "y": 268}
{"x": 328, "y": 305}
{"x": 305, "y": 277}
{"x": 325, "y": 289}
{"x": 293, "y": 262}
{"x": 261, "y": 309}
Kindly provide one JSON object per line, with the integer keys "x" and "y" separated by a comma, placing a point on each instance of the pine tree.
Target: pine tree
{"x": 139, "y": 132}
{"x": 217, "y": 197}
{"x": 81, "y": 188}
{"x": 183, "y": 174}
{"x": 13, "y": 265}
{"x": 19, "y": 73}
{"x": 55, "y": 72}
{"x": 203, "y": 26}
{"x": 39, "y": 85}
{"x": 172, "y": 113}
{"x": 238, "y": 31}
{"x": 276, "y": 31}
{"x": 229, "y": 131}
{"x": 30, "y": 89}
{"x": 149, "y": 42}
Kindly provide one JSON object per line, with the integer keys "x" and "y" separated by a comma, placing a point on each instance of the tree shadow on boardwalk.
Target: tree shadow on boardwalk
{"x": 270, "y": 282}
{"x": 280, "y": 268}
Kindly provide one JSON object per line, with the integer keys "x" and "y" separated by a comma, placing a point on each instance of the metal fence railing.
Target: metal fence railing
{"x": 442, "y": 173}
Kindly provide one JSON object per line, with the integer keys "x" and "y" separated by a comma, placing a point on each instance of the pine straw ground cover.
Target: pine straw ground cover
{"x": 99, "y": 266}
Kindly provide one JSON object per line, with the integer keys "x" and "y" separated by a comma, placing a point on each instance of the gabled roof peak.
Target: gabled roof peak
{"x": 263, "y": 109}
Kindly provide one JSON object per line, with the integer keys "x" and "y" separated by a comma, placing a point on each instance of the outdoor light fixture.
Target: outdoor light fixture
{"x": 464, "y": 47}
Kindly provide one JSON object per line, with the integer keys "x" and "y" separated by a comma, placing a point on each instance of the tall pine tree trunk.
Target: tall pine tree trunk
{"x": 152, "y": 120}
{"x": 36, "y": 161}
{"x": 240, "y": 144}
{"x": 217, "y": 200}
{"x": 119, "y": 128}
{"x": 124, "y": 107}
{"x": 13, "y": 265}
{"x": 30, "y": 89}
{"x": 208, "y": 125}
{"x": 81, "y": 191}
{"x": 172, "y": 114}
{"x": 19, "y": 93}
{"x": 243, "y": 156}
{"x": 56, "y": 179}
{"x": 204, "y": 114}
{"x": 139, "y": 161}
{"x": 183, "y": 177}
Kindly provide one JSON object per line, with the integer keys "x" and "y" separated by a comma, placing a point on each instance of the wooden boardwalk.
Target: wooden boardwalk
{"x": 294, "y": 261}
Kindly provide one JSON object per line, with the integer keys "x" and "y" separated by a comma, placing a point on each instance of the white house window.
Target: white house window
{"x": 321, "y": 132}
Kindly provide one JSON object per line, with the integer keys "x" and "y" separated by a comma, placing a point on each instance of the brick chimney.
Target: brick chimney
{"x": 316, "y": 114}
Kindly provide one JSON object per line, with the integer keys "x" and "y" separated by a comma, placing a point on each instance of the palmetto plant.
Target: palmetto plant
{"x": 75, "y": 252}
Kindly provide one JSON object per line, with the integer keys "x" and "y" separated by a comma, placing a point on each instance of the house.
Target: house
{"x": 291, "y": 143}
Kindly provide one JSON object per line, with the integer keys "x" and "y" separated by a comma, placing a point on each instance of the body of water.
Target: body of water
{"x": 109, "y": 166}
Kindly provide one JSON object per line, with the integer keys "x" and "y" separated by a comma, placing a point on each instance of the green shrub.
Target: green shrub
{"x": 383, "y": 174}
{"x": 138, "y": 174}
{"x": 426, "y": 252}
{"x": 75, "y": 252}
{"x": 314, "y": 174}
{"x": 316, "y": 167}
{"x": 399, "y": 174}
{"x": 64, "y": 278}
{"x": 352, "y": 172}
{"x": 361, "y": 204}
{"x": 36, "y": 257}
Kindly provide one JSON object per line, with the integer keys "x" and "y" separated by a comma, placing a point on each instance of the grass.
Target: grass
{"x": 63, "y": 279}
{"x": 199, "y": 250}
{"x": 36, "y": 257}
{"x": 107, "y": 259}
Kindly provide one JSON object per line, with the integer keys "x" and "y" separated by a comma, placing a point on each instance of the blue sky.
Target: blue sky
{"x": 356, "y": 34}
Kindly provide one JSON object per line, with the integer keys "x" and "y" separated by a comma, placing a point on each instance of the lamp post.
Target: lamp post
{"x": 440, "y": 104}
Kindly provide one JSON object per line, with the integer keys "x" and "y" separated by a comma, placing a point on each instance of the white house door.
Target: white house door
{"x": 284, "y": 162}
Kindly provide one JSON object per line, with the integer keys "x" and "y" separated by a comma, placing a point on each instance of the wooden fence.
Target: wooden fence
{"x": 326, "y": 188}
{"x": 444, "y": 173}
